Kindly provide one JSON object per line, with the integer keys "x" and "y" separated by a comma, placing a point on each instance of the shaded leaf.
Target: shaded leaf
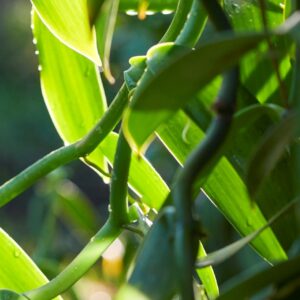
{"x": 69, "y": 21}
{"x": 223, "y": 254}
{"x": 268, "y": 152}
{"x": 253, "y": 284}
{"x": 162, "y": 263}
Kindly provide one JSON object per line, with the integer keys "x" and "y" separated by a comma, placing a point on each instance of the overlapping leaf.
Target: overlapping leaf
{"x": 224, "y": 186}
{"x": 75, "y": 99}
{"x": 69, "y": 21}
{"x": 71, "y": 87}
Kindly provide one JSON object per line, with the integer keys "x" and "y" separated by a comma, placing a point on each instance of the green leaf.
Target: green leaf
{"x": 224, "y": 186}
{"x": 69, "y": 21}
{"x": 105, "y": 25}
{"x": 71, "y": 87}
{"x": 157, "y": 97}
{"x": 257, "y": 69}
{"x": 278, "y": 274}
{"x": 17, "y": 271}
{"x": 75, "y": 98}
{"x": 207, "y": 276}
{"x": 268, "y": 152}
{"x": 223, "y": 254}
{"x": 149, "y": 261}
{"x": 142, "y": 176}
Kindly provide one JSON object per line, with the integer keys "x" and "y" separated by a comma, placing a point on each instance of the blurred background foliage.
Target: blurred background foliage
{"x": 53, "y": 220}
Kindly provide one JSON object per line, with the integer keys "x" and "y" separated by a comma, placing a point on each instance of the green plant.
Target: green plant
{"x": 250, "y": 66}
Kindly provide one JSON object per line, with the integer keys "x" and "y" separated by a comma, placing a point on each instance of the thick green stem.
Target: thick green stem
{"x": 201, "y": 157}
{"x": 181, "y": 15}
{"x": 193, "y": 27}
{"x": 64, "y": 155}
{"x": 79, "y": 266}
{"x": 118, "y": 191}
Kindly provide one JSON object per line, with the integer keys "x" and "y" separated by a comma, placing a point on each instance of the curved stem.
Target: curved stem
{"x": 200, "y": 158}
{"x": 64, "y": 155}
{"x": 118, "y": 190}
{"x": 181, "y": 14}
{"x": 79, "y": 266}
{"x": 193, "y": 27}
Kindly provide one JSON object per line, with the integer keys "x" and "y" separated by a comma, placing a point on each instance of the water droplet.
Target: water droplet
{"x": 32, "y": 26}
{"x": 92, "y": 239}
{"x": 167, "y": 12}
{"x": 17, "y": 253}
{"x": 40, "y": 68}
{"x": 131, "y": 12}
{"x": 34, "y": 41}
{"x": 282, "y": 6}
{"x": 109, "y": 208}
{"x": 36, "y": 52}
{"x": 236, "y": 7}
{"x": 150, "y": 12}
{"x": 87, "y": 71}
{"x": 249, "y": 222}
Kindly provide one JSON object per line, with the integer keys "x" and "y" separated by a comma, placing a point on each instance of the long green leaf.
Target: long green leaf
{"x": 17, "y": 271}
{"x": 69, "y": 21}
{"x": 207, "y": 276}
{"x": 71, "y": 87}
{"x": 157, "y": 98}
{"x": 257, "y": 70}
{"x": 224, "y": 186}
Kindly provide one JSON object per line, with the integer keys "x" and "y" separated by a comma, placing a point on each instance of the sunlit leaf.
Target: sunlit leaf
{"x": 258, "y": 69}
{"x": 69, "y": 21}
{"x": 17, "y": 271}
{"x": 207, "y": 276}
{"x": 71, "y": 88}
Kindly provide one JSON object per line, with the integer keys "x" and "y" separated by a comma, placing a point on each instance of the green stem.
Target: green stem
{"x": 181, "y": 15}
{"x": 64, "y": 155}
{"x": 200, "y": 158}
{"x": 193, "y": 27}
{"x": 79, "y": 266}
{"x": 118, "y": 191}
